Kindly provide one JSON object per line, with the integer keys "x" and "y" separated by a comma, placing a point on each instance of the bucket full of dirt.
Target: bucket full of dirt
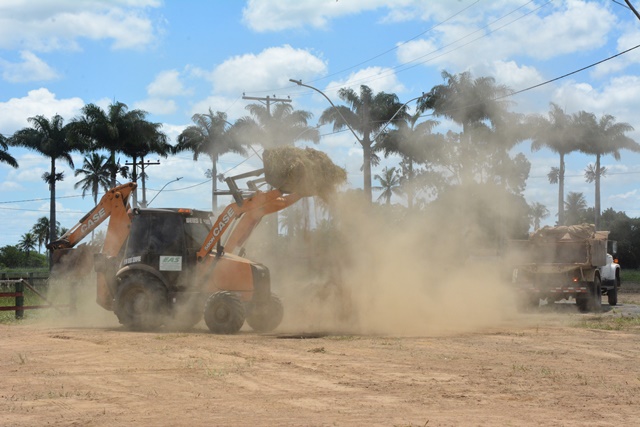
{"x": 303, "y": 171}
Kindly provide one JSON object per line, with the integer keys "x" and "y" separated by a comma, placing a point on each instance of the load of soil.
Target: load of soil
{"x": 307, "y": 172}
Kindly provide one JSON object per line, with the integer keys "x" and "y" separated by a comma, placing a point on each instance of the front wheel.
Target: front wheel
{"x": 267, "y": 317}
{"x": 141, "y": 302}
{"x": 224, "y": 313}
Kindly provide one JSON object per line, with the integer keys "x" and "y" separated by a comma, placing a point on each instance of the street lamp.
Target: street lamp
{"x": 154, "y": 197}
{"x": 299, "y": 83}
{"x": 396, "y": 113}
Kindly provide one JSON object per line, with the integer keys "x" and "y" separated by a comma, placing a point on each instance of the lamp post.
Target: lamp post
{"x": 154, "y": 197}
{"x": 299, "y": 83}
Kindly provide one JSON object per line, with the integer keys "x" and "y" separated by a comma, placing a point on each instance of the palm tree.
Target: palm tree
{"x": 559, "y": 134}
{"x": 602, "y": 137}
{"x": 537, "y": 212}
{"x": 576, "y": 207}
{"x": 479, "y": 107}
{"x": 50, "y": 138}
{"x": 210, "y": 136}
{"x": 41, "y": 231}
{"x": 5, "y": 157}
{"x": 389, "y": 184}
{"x": 365, "y": 114}
{"x": 108, "y": 130}
{"x": 27, "y": 243}
{"x": 96, "y": 173}
{"x": 282, "y": 126}
{"x": 415, "y": 143}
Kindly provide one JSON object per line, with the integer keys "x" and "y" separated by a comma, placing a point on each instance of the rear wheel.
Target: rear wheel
{"x": 224, "y": 313}
{"x": 141, "y": 302}
{"x": 595, "y": 295}
{"x": 268, "y": 317}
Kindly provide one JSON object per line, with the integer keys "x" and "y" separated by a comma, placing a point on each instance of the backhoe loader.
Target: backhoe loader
{"x": 173, "y": 266}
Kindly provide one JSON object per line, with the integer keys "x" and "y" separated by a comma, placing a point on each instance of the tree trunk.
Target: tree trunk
{"x": 52, "y": 209}
{"x": 366, "y": 167}
{"x": 597, "y": 208}
{"x": 561, "y": 191}
{"x": 114, "y": 169}
{"x": 214, "y": 185}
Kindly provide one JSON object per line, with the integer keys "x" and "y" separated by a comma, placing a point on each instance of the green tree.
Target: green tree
{"x": 489, "y": 130}
{"x": 416, "y": 144}
{"x": 27, "y": 243}
{"x": 108, "y": 130}
{"x": 537, "y": 212}
{"x": 52, "y": 139}
{"x": 273, "y": 128}
{"x": 575, "y": 208}
{"x": 366, "y": 114}
{"x": 41, "y": 231}
{"x": 210, "y": 136}
{"x": 559, "y": 134}
{"x": 601, "y": 137}
{"x": 96, "y": 174}
{"x": 5, "y": 157}
{"x": 389, "y": 184}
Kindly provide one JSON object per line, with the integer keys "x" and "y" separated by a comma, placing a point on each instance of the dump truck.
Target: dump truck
{"x": 558, "y": 263}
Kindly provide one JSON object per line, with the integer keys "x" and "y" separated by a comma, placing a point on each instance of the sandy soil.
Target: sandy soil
{"x": 538, "y": 368}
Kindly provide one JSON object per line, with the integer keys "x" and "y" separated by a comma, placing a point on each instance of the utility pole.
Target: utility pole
{"x": 267, "y": 100}
{"x": 142, "y": 165}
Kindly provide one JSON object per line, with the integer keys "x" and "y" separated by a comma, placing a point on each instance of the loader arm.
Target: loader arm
{"x": 112, "y": 205}
{"x": 248, "y": 214}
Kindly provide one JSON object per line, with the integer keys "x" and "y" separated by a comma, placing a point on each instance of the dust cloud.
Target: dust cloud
{"x": 392, "y": 272}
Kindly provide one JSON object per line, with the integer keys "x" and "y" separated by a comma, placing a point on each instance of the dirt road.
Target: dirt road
{"x": 553, "y": 367}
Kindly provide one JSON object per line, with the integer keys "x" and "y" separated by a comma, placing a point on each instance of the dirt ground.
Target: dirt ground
{"x": 547, "y": 367}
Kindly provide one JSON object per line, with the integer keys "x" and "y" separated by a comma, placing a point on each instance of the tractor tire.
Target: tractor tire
{"x": 141, "y": 302}
{"x": 612, "y": 294}
{"x": 266, "y": 318}
{"x": 224, "y": 313}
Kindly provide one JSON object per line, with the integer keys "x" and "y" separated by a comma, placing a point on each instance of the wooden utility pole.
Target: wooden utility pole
{"x": 142, "y": 165}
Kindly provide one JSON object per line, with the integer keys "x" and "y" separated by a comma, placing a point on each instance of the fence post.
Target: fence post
{"x": 19, "y": 299}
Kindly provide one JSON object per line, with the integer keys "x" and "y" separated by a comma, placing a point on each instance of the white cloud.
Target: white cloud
{"x": 231, "y": 106}
{"x": 31, "y": 69}
{"x": 14, "y": 112}
{"x": 167, "y": 83}
{"x": 276, "y": 15}
{"x": 515, "y": 76}
{"x": 42, "y": 25}
{"x": 379, "y": 79}
{"x": 574, "y": 26}
{"x": 159, "y": 106}
{"x": 273, "y": 67}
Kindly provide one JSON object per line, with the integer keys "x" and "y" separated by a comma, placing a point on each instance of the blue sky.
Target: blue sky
{"x": 176, "y": 58}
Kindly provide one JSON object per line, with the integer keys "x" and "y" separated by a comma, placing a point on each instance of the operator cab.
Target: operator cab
{"x": 166, "y": 240}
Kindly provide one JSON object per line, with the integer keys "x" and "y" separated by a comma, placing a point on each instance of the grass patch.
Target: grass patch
{"x": 629, "y": 275}
{"x": 616, "y": 322}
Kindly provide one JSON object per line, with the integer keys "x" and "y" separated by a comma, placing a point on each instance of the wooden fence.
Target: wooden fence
{"x": 16, "y": 288}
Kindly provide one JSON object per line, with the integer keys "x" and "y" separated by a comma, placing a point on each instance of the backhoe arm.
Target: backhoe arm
{"x": 113, "y": 204}
{"x": 251, "y": 210}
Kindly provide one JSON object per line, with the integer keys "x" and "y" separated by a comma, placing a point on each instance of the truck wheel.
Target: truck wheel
{"x": 582, "y": 301}
{"x": 612, "y": 294}
{"x": 224, "y": 313}
{"x": 595, "y": 300}
{"x": 141, "y": 302}
{"x": 266, "y": 318}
